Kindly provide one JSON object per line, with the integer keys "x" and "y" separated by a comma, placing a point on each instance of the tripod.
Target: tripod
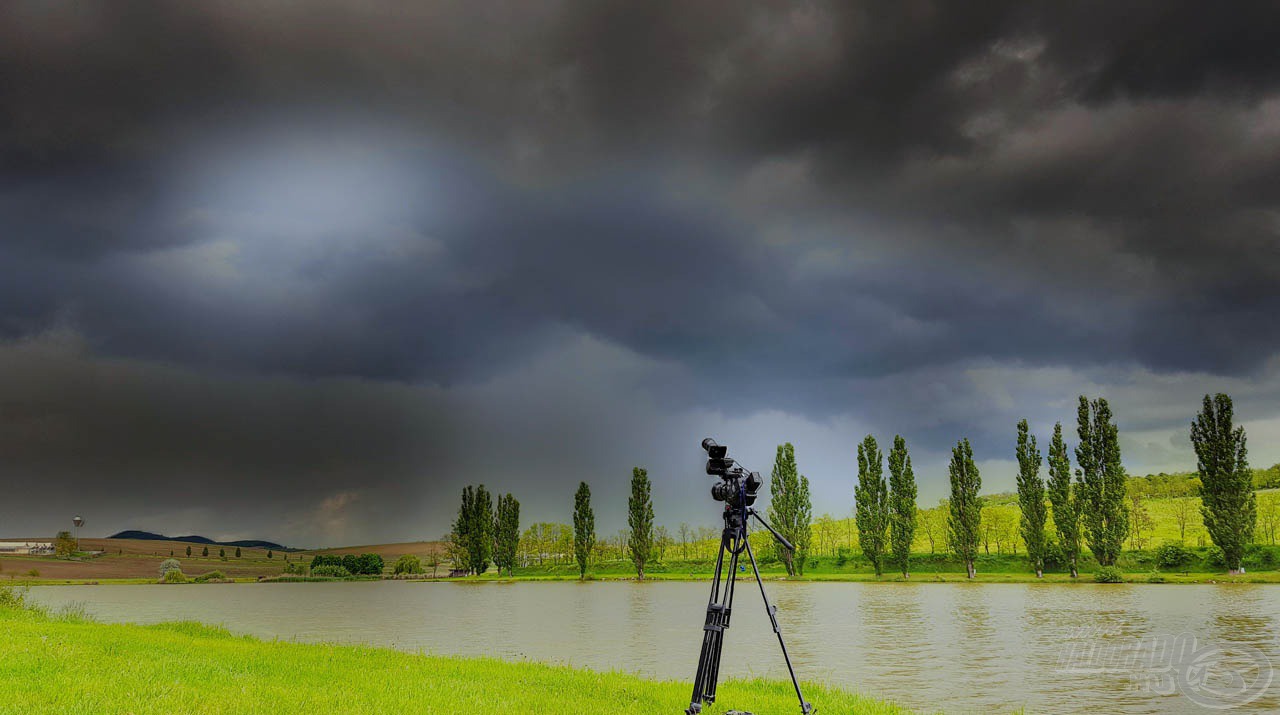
{"x": 733, "y": 542}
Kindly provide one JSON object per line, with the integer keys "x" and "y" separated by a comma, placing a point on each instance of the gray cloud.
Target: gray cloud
{"x": 824, "y": 217}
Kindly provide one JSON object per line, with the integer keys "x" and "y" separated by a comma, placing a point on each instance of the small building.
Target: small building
{"x": 32, "y": 548}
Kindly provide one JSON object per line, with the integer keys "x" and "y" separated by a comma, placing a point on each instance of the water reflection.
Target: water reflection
{"x": 953, "y": 647}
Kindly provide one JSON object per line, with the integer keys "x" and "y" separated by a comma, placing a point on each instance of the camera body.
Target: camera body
{"x": 738, "y": 488}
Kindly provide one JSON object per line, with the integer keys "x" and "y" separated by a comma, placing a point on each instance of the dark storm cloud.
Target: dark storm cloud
{"x": 841, "y": 211}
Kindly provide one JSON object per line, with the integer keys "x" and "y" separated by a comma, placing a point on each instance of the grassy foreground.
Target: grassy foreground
{"x": 63, "y": 664}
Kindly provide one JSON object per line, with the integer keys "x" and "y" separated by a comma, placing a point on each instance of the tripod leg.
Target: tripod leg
{"x": 713, "y": 672}
{"x": 712, "y": 636}
{"x": 805, "y": 708}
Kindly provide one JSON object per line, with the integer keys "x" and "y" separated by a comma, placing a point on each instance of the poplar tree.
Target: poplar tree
{"x": 1229, "y": 505}
{"x": 1031, "y": 498}
{"x": 790, "y": 510}
{"x": 871, "y": 502}
{"x": 584, "y": 528}
{"x": 1102, "y": 481}
{"x": 902, "y": 505}
{"x": 964, "y": 523}
{"x": 506, "y": 533}
{"x": 640, "y": 520}
{"x": 480, "y": 532}
{"x": 1065, "y": 501}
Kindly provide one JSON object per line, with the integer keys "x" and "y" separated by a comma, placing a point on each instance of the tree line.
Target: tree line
{"x": 1094, "y": 506}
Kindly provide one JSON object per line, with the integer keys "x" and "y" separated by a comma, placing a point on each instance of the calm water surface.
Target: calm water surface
{"x": 952, "y": 647}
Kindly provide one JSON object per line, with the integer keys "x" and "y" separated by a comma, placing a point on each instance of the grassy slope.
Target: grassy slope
{"x": 138, "y": 560}
{"x": 63, "y": 665}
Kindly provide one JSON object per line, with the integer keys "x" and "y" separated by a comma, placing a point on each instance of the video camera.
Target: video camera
{"x": 738, "y": 487}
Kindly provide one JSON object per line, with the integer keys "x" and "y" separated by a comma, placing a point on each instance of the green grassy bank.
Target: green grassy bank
{"x": 65, "y": 664}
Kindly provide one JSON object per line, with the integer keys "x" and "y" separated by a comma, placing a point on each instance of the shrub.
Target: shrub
{"x": 34, "y": 573}
{"x": 1173, "y": 556}
{"x": 174, "y": 577}
{"x": 210, "y": 576}
{"x": 296, "y": 568}
{"x": 330, "y": 570}
{"x": 169, "y": 565}
{"x": 325, "y": 560}
{"x": 368, "y": 564}
{"x": 13, "y": 597}
{"x": 408, "y": 564}
{"x": 205, "y": 551}
{"x": 1109, "y": 574}
{"x": 1215, "y": 559}
{"x": 1155, "y": 578}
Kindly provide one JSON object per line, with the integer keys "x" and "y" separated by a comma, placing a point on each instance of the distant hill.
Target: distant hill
{"x": 244, "y": 543}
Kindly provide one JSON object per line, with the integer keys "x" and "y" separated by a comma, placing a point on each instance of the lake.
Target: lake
{"x": 951, "y": 647}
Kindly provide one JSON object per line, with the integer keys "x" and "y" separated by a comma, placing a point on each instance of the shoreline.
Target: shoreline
{"x": 58, "y": 663}
{"x": 1130, "y": 578}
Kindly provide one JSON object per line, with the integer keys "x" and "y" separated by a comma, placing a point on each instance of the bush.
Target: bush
{"x": 13, "y": 597}
{"x": 1109, "y": 574}
{"x": 1155, "y": 578}
{"x": 1215, "y": 559}
{"x": 34, "y": 573}
{"x": 1259, "y": 557}
{"x": 408, "y": 564}
{"x": 211, "y": 576}
{"x": 330, "y": 570}
{"x": 1173, "y": 556}
{"x": 174, "y": 577}
{"x": 296, "y": 568}
{"x": 369, "y": 564}
{"x": 169, "y": 565}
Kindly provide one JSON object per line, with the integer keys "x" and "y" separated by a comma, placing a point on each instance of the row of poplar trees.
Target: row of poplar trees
{"x": 1093, "y": 507}
{"x": 484, "y": 531}
{"x": 640, "y": 536}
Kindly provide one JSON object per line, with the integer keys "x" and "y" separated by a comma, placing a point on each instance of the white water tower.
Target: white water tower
{"x": 79, "y": 522}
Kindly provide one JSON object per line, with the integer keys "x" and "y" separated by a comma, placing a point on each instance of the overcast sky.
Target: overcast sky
{"x": 300, "y": 271}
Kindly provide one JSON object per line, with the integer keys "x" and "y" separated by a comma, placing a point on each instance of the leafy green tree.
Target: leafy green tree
{"x": 964, "y": 524}
{"x": 188, "y": 551}
{"x": 205, "y": 552}
{"x": 1031, "y": 498}
{"x": 270, "y": 554}
{"x": 237, "y": 552}
{"x": 407, "y": 564}
{"x": 640, "y": 520}
{"x": 871, "y": 502}
{"x": 902, "y": 505}
{"x": 584, "y": 528}
{"x": 790, "y": 509}
{"x": 506, "y": 533}
{"x": 1065, "y": 501}
{"x": 480, "y": 534}
{"x": 222, "y": 553}
{"x": 472, "y": 537}
{"x": 1102, "y": 481}
{"x": 460, "y": 535}
{"x": 1229, "y": 506}
{"x": 64, "y": 545}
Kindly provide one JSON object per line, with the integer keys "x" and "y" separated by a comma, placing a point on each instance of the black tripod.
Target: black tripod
{"x": 733, "y": 542}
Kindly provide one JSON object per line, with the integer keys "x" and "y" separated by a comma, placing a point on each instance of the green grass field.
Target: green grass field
{"x": 65, "y": 664}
